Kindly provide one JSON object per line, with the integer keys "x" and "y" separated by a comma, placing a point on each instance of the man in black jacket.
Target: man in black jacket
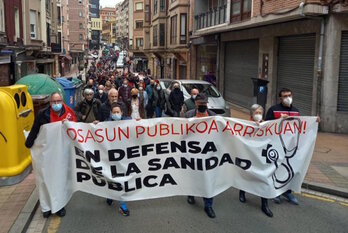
{"x": 202, "y": 110}
{"x": 106, "y": 107}
{"x": 88, "y": 110}
{"x": 101, "y": 95}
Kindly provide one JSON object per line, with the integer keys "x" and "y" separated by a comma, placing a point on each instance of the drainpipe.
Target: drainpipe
{"x": 320, "y": 54}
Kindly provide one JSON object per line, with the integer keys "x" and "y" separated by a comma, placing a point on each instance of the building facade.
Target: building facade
{"x": 96, "y": 25}
{"x": 108, "y": 18}
{"x": 293, "y": 44}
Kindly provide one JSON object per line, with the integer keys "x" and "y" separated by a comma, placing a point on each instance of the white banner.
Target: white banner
{"x": 134, "y": 160}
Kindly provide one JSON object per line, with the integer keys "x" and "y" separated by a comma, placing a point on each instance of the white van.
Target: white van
{"x": 119, "y": 62}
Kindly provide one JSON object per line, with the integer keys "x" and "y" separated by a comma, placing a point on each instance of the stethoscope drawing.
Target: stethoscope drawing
{"x": 272, "y": 156}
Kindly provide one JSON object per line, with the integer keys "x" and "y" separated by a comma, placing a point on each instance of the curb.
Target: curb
{"x": 336, "y": 191}
{"x": 26, "y": 215}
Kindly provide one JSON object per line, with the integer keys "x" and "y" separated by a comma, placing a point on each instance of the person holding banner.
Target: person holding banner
{"x": 283, "y": 110}
{"x": 256, "y": 115}
{"x": 116, "y": 114}
{"x": 202, "y": 110}
{"x": 88, "y": 110}
{"x": 106, "y": 107}
{"x": 57, "y": 111}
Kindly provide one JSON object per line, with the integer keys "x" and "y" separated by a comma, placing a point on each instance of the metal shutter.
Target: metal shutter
{"x": 342, "y": 101}
{"x": 241, "y": 64}
{"x": 296, "y": 56}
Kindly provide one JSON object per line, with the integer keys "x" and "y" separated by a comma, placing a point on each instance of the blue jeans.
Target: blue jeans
{"x": 158, "y": 111}
{"x": 208, "y": 202}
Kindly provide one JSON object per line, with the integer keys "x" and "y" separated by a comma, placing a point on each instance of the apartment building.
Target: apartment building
{"x": 293, "y": 44}
{"x": 96, "y": 25}
{"x": 108, "y": 18}
{"x": 167, "y": 50}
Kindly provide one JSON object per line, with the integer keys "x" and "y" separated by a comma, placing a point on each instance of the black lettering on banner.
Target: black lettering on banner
{"x": 226, "y": 158}
{"x": 81, "y": 164}
{"x": 170, "y": 162}
{"x": 200, "y": 164}
{"x": 82, "y": 176}
{"x": 194, "y": 148}
{"x": 147, "y": 148}
{"x": 147, "y": 183}
{"x": 114, "y": 173}
{"x": 162, "y": 148}
{"x": 126, "y": 187}
{"x": 181, "y": 147}
{"x": 132, "y": 168}
{"x": 98, "y": 181}
{"x": 115, "y": 186}
{"x": 209, "y": 147}
{"x": 95, "y": 156}
{"x": 211, "y": 163}
{"x": 113, "y": 153}
{"x": 79, "y": 152}
{"x": 167, "y": 179}
{"x": 133, "y": 152}
{"x": 97, "y": 171}
{"x": 186, "y": 163}
{"x": 243, "y": 163}
{"x": 154, "y": 164}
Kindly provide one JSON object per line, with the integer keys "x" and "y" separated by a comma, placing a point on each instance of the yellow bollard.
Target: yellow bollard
{"x": 16, "y": 115}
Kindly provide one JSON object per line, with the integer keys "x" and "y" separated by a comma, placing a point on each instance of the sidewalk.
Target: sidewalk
{"x": 328, "y": 170}
{"x": 327, "y": 173}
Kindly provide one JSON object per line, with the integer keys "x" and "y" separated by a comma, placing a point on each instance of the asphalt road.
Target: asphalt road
{"x": 87, "y": 213}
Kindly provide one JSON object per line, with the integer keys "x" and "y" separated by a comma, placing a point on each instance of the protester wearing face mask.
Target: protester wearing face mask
{"x": 57, "y": 111}
{"x": 150, "y": 107}
{"x": 256, "y": 114}
{"x": 160, "y": 99}
{"x": 124, "y": 95}
{"x": 190, "y": 103}
{"x": 176, "y": 100}
{"x": 137, "y": 109}
{"x": 201, "y": 110}
{"x": 116, "y": 114}
{"x": 106, "y": 107}
{"x": 283, "y": 110}
{"x": 101, "y": 95}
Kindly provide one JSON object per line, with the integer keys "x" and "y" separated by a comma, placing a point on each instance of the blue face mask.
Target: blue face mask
{"x": 158, "y": 88}
{"x": 57, "y": 107}
{"x": 116, "y": 117}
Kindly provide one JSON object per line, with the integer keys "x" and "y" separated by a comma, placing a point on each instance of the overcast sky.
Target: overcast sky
{"x": 110, "y": 3}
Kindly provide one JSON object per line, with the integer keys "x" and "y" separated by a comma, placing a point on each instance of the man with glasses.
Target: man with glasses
{"x": 57, "y": 111}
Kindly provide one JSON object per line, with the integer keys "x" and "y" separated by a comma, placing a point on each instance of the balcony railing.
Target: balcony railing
{"x": 211, "y": 18}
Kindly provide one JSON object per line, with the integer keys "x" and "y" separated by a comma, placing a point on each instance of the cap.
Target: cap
{"x": 201, "y": 98}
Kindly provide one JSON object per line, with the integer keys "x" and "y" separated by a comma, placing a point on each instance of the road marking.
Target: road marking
{"x": 344, "y": 204}
{"x": 318, "y": 198}
{"x": 54, "y": 224}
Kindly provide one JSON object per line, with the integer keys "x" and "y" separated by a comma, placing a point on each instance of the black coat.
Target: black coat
{"x": 82, "y": 107}
{"x": 176, "y": 99}
{"x": 103, "y": 98}
{"x": 106, "y": 109}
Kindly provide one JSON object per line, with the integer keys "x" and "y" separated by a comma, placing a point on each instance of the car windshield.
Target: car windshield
{"x": 208, "y": 89}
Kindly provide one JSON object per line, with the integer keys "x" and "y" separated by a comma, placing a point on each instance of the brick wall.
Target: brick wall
{"x": 74, "y": 24}
{"x": 277, "y": 6}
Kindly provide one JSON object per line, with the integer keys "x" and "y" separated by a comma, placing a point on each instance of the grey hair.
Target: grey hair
{"x": 60, "y": 94}
{"x": 88, "y": 91}
{"x": 254, "y": 107}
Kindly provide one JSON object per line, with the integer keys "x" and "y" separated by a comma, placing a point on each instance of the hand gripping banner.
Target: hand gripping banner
{"x": 135, "y": 160}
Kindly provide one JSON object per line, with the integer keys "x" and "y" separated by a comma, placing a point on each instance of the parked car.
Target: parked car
{"x": 216, "y": 102}
{"x": 119, "y": 62}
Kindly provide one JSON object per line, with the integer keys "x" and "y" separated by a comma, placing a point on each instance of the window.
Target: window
{"x": 81, "y": 37}
{"x": 155, "y": 32}
{"x": 162, "y": 5}
{"x": 138, "y": 24}
{"x": 2, "y": 16}
{"x": 240, "y": 10}
{"x": 81, "y": 26}
{"x": 139, "y": 42}
{"x": 94, "y": 6}
{"x": 139, "y": 6}
{"x": 155, "y": 4}
{"x": 162, "y": 34}
{"x": 147, "y": 13}
{"x": 17, "y": 32}
{"x": 183, "y": 28}
{"x": 32, "y": 24}
{"x": 173, "y": 29}
{"x": 80, "y": 13}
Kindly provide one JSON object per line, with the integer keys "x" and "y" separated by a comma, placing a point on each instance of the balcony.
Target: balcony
{"x": 56, "y": 48}
{"x": 213, "y": 17}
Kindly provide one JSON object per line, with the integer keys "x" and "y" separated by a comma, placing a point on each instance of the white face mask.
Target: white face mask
{"x": 287, "y": 101}
{"x": 101, "y": 92}
{"x": 194, "y": 97}
{"x": 257, "y": 117}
